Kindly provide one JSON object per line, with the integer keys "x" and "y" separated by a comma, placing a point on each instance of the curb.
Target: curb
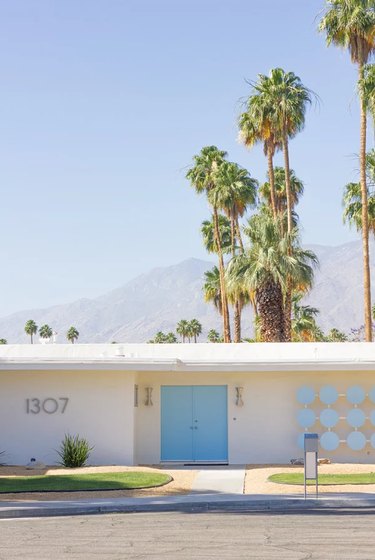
{"x": 287, "y": 506}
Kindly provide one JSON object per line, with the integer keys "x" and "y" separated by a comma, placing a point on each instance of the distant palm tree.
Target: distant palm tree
{"x": 45, "y": 332}
{"x": 31, "y": 328}
{"x": 162, "y": 338}
{"x": 3, "y": 341}
{"x": 183, "y": 329}
{"x": 195, "y": 329}
{"x": 304, "y": 326}
{"x": 350, "y": 24}
{"x": 72, "y": 335}
{"x": 213, "y": 336}
{"x": 335, "y": 335}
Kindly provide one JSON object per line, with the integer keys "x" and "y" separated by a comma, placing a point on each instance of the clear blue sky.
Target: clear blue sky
{"x": 104, "y": 103}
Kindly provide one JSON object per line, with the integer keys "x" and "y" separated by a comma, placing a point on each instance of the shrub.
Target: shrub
{"x": 74, "y": 451}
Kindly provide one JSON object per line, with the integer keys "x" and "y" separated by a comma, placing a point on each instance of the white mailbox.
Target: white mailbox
{"x": 311, "y": 444}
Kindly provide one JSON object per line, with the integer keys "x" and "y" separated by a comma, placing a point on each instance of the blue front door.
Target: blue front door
{"x": 194, "y": 423}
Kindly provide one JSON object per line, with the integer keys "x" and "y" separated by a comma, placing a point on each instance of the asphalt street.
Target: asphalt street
{"x": 185, "y": 535}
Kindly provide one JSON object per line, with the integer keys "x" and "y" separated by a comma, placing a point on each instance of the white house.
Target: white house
{"x": 189, "y": 403}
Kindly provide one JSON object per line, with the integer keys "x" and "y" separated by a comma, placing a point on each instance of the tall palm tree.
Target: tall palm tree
{"x": 195, "y": 328}
{"x": 255, "y": 126}
{"x": 234, "y": 193}
{"x": 285, "y": 99}
{"x": 202, "y": 176}
{"x": 31, "y": 328}
{"x": 72, "y": 335}
{"x": 45, "y": 332}
{"x": 350, "y": 24}
{"x": 183, "y": 329}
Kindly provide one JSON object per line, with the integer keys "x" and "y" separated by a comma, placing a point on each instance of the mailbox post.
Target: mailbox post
{"x": 311, "y": 460}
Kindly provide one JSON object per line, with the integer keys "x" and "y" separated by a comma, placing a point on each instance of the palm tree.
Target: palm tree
{"x": 213, "y": 336}
{"x": 335, "y": 335}
{"x": 265, "y": 268}
{"x": 296, "y": 188}
{"x": 202, "y": 176}
{"x": 352, "y": 199}
{"x": 208, "y": 234}
{"x": 45, "y": 332}
{"x": 3, "y": 341}
{"x": 72, "y": 335}
{"x": 350, "y": 24}
{"x": 183, "y": 329}
{"x": 255, "y": 126}
{"x": 234, "y": 193}
{"x": 304, "y": 327}
{"x": 31, "y": 328}
{"x": 170, "y": 338}
{"x": 212, "y": 288}
{"x": 162, "y": 338}
{"x": 195, "y": 329}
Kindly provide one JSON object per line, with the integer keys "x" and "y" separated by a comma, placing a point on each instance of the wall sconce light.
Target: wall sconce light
{"x": 148, "y": 401}
{"x": 239, "y": 401}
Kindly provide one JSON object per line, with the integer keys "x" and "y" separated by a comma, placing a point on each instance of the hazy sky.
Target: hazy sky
{"x": 103, "y": 105}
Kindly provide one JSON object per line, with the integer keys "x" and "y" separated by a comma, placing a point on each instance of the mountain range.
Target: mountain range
{"x": 157, "y": 300}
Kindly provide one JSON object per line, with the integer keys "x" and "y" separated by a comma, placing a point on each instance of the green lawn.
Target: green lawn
{"x": 81, "y": 482}
{"x": 324, "y": 479}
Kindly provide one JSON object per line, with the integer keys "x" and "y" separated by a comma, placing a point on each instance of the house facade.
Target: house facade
{"x": 188, "y": 403}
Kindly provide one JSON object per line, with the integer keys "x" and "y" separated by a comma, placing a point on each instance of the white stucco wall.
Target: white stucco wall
{"x": 265, "y": 429}
{"x": 100, "y": 408}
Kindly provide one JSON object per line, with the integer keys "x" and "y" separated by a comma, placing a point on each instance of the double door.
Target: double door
{"x": 194, "y": 423}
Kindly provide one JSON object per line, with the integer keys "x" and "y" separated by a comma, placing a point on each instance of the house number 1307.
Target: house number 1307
{"x": 49, "y": 405}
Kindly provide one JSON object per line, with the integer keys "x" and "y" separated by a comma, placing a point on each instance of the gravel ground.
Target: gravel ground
{"x": 181, "y": 483}
{"x": 256, "y": 480}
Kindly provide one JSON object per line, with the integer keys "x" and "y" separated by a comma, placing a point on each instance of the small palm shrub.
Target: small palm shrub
{"x": 74, "y": 451}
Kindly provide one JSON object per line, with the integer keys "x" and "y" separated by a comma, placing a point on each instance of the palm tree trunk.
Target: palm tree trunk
{"x": 271, "y": 176}
{"x": 239, "y": 237}
{"x": 287, "y": 181}
{"x": 288, "y": 292}
{"x": 237, "y": 321}
{"x": 31, "y": 337}
{"x": 365, "y": 230}
{"x": 270, "y": 305}
{"x": 224, "y": 300}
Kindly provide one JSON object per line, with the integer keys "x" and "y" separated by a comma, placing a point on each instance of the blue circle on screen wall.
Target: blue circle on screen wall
{"x": 355, "y": 394}
{"x": 356, "y": 441}
{"x": 372, "y": 394}
{"x": 329, "y": 441}
{"x": 328, "y": 394}
{"x": 356, "y": 417}
{"x": 306, "y": 417}
{"x": 372, "y": 417}
{"x": 305, "y": 395}
{"x": 329, "y": 417}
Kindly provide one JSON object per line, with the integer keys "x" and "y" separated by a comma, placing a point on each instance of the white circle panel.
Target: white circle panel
{"x": 355, "y": 394}
{"x": 329, "y": 417}
{"x": 305, "y": 395}
{"x": 306, "y": 417}
{"x": 328, "y": 394}
{"x": 356, "y": 441}
{"x": 329, "y": 441}
{"x": 356, "y": 417}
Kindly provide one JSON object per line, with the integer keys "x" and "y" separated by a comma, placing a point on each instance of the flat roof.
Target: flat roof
{"x": 245, "y": 357}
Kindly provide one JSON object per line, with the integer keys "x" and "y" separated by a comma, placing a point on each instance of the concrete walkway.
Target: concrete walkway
{"x": 222, "y": 480}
